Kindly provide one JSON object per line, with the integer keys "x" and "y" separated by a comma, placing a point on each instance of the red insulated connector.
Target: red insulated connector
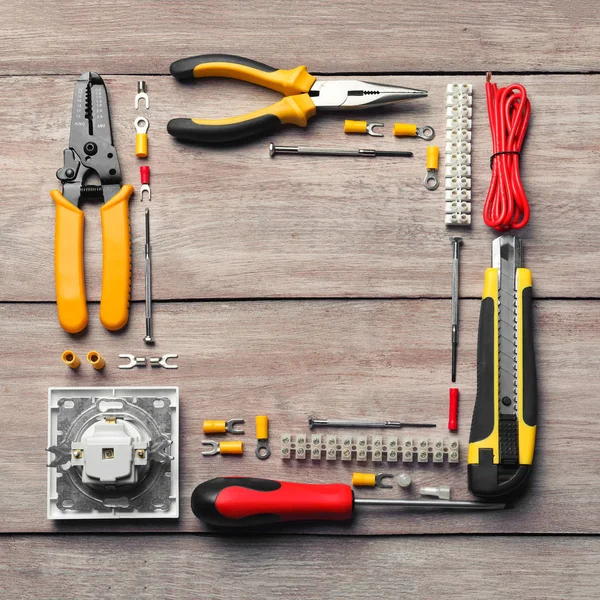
{"x": 453, "y": 412}
{"x": 145, "y": 174}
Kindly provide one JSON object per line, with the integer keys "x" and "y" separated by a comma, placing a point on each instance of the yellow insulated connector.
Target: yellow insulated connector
{"x": 363, "y": 479}
{"x": 215, "y": 426}
{"x": 433, "y": 158}
{"x": 95, "y": 359}
{"x": 236, "y": 447}
{"x": 262, "y": 427}
{"x": 355, "y": 126}
{"x": 405, "y": 129}
{"x": 141, "y": 137}
{"x": 70, "y": 359}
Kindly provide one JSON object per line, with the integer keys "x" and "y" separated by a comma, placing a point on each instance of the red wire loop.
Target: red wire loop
{"x": 506, "y": 206}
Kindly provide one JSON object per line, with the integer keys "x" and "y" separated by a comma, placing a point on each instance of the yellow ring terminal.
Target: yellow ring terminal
{"x": 214, "y": 426}
{"x": 236, "y": 447}
{"x": 95, "y": 359}
{"x": 405, "y": 129}
{"x": 70, "y": 359}
{"x": 141, "y": 137}
{"x": 363, "y": 479}
{"x": 262, "y": 427}
{"x": 433, "y": 157}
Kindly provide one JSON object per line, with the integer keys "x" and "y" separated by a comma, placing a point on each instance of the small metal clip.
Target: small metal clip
{"x": 370, "y": 130}
{"x": 161, "y": 361}
{"x": 134, "y": 361}
{"x": 142, "y": 94}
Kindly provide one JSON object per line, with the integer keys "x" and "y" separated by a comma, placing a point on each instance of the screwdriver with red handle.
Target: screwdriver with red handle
{"x": 251, "y": 502}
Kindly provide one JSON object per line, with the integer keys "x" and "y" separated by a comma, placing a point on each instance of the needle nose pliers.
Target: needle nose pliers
{"x": 91, "y": 151}
{"x": 304, "y": 94}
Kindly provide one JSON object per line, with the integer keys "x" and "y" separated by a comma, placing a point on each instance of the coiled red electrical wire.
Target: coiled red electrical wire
{"x": 506, "y": 206}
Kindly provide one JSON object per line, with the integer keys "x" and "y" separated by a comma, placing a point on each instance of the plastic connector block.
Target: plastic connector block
{"x": 458, "y": 135}
{"x": 458, "y": 207}
{"x": 458, "y": 183}
{"x": 459, "y": 88}
{"x": 458, "y": 219}
{"x": 458, "y": 148}
{"x": 458, "y": 158}
{"x": 458, "y": 122}
{"x": 458, "y": 194}
{"x": 362, "y": 449}
{"x": 458, "y": 171}
{"x": 459, "y": 111}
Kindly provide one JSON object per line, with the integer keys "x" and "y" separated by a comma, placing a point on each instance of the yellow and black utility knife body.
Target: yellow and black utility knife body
{"x": 503, "y": 430}
{"x": 304, "y": 96}
{"x": 91, "y": 152}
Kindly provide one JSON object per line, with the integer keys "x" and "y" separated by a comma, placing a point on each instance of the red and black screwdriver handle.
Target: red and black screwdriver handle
{"x": 249, "y": 502}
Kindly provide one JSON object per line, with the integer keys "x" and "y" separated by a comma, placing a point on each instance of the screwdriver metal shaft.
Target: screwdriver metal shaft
{"x": 273, "y": 150}
{"x": 312, "y": 422}
{"x": 464, "y": 504}
{"x": 148, "y": 281}
{"x": 456, "y": 242}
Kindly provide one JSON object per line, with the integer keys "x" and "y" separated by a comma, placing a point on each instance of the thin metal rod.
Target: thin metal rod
{"x": 313, "y": 422}
{"x": 148, "y": 281}
{"x": 456, "y": 242}
{"x": 456, "y": 504}
{"x": 310, "y": 150}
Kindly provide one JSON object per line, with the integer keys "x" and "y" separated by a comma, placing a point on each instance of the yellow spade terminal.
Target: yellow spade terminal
{"x": 371, "y": 480}
{"x": 95, "y": 359}
{"x": 411, "y": 130}
{"x": 236, "y": 447}
{"x": 362, "y": 127}
{"x": 70, "y": 359}
{"x": 141, "y": 137}
{"x": 223, "y": 426}
{"x": 431, "y": 181}
{"x": 262, "y": 437}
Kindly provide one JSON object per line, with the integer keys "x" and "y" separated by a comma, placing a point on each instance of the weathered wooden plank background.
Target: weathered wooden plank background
{"x": 298, "y": 285}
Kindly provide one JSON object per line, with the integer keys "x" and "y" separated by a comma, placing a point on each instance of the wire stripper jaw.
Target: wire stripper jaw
{"x": 91, "y": 147}
{"x": 354, "y": 94}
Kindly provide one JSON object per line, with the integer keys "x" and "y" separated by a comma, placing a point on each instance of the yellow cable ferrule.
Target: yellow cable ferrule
{"x": 70, "y": 359}
{"x": 141, "y": 145}
{"x": 95, "y": 359}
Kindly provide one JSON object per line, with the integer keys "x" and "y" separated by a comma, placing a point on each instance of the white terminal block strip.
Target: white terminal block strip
{"x": 363, "y": 448}
{"x": 459, "y": 113}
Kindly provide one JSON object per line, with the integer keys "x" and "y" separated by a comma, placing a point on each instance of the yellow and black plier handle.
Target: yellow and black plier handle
{"x": 296, "y": 108}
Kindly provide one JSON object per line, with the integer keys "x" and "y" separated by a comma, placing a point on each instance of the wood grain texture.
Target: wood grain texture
{"x": 386, "y": 359}
{"x": 220, "y": 568}
{"x": 234, "y": 223}
{"x": 386, "y": 36}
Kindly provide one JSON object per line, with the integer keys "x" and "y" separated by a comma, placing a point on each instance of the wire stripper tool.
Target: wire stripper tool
{"x": 91, "y": 151}
{"x": 504, "y": 422}
{"x": 304, "y": 95}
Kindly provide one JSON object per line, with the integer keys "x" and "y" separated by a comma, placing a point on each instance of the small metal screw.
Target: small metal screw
{"x": 140, "y": 454}
{"x": 76, "y": 453}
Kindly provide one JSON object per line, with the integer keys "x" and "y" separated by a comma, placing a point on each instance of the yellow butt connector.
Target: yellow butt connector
{"x": 371, "y": 480}
{"x": 362, "y": 127}
{"x": 411, "y": 130}
{"x": 95, "y": 359}
{"x": 70, "y": 359}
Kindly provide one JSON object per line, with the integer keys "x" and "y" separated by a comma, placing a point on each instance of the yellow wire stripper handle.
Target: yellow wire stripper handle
{"x": 296, "y": 108}
{"x": 116, "y": 265}
{"x": 499, "y": 461}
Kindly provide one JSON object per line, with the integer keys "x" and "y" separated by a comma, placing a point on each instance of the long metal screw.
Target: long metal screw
{"x": 148, "y": 282}
{"x": 456, "y": 242}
